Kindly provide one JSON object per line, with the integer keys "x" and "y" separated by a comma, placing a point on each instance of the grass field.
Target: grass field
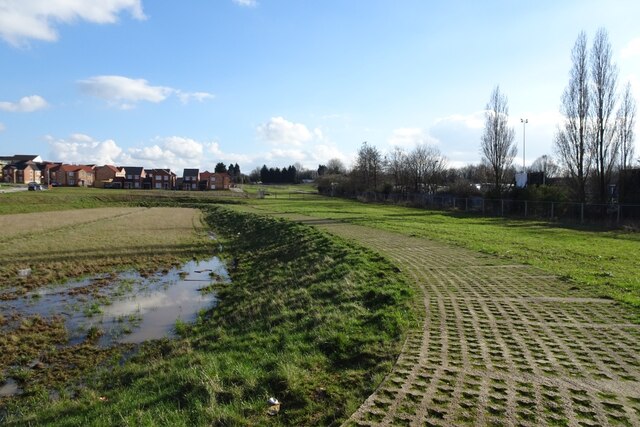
{"x": 64, "y": 244}
{"x": 317, "y": 322}
{"x": 308, "y": 319}
{"x": 605, "y": 259}
{"x": 66, "y": 198}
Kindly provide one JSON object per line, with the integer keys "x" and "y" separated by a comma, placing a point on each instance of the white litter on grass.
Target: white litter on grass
{"x": 273, "y": 401}
{"x": 24, "y": 272}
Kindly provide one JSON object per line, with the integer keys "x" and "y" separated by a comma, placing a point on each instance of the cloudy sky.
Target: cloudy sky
{"x": 192, "y": 83}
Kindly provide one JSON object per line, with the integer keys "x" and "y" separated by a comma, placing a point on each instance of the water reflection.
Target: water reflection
{"x": 126, "y": 307}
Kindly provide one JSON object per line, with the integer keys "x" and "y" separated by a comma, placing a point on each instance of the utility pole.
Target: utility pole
{"x": 524, "y": 124}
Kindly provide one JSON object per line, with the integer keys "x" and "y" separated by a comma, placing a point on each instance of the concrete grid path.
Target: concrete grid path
{"x": 500, "y": 344}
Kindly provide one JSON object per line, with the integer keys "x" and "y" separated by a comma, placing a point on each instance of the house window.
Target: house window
{"x": 158, "y": 185}
{"x": 129, "y": 176}
{"x": 137, "y": 177}
{"x": 166, "y": 178}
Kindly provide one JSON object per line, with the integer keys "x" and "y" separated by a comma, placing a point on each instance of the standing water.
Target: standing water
{"x": 127, "y": 307}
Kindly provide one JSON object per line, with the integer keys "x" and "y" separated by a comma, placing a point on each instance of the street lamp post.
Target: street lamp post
{"x": 524, "y": 123}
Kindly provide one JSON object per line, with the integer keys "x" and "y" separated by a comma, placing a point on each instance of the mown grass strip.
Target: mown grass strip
{"x": 309, "y": 319}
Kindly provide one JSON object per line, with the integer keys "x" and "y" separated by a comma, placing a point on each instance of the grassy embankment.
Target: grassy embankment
{"x": 308, "y": 319}
{"x": 607, "y": 260}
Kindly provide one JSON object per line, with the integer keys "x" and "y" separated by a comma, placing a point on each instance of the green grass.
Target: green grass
{"x": 308, "y": 319}
{"x": 60, "y": 245}
{"x": 607, "y": 260}
{"x": 66, "y": 198}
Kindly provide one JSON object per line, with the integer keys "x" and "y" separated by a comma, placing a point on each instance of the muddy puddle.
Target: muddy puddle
{"x": 9, "y": 388}
{"x": 126, "y": 308}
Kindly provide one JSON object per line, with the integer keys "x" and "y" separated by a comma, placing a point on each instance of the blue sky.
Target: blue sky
{"x": 191, "y": 83}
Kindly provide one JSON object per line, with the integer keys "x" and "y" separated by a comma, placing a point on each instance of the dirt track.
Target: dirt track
{"x": 500, "y": 344}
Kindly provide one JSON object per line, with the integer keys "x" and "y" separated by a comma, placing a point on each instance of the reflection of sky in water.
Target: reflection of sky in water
{"x": 158, "y": 300}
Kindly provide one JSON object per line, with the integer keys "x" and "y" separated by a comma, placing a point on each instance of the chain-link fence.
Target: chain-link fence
{"x": 581, "y": 213}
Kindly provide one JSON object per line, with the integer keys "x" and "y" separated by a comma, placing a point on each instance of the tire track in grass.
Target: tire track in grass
{"x": 500, "y": 344}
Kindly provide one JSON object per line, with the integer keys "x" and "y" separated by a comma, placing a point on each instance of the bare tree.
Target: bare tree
{"x": 604, "y": 76}
{"x": 625, "y": 120}
{"x": 571, "y": 142}
{"x": 546, "y": 165}
{"x": 396, "y": 165}
{"x": 336, "y": 167}
{"x": 424, "y": 165}
{"x": 368, "y": 166}
{"x": 497, "y": 144}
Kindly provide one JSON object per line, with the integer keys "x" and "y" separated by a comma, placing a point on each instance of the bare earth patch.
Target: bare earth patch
{"x": 500, "y": 344}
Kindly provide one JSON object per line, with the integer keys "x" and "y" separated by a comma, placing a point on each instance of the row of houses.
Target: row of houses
{"x": 22, "y": 169}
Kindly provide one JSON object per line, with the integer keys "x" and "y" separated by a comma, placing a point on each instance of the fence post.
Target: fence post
{"x": 619, "y": 209}
{"x": 525, "y": 208}
{"x": 466, "y": 204}
{"x": 482, "y": 206}
{"x": 454, "y": 203}
{"x": 502, "y": 207}
{"x": 581, "y": 213}
{"x": 551, "y": 210}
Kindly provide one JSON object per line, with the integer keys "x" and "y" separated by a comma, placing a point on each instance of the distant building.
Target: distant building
{"x": 74, "y": 175}
{"x": 105, "y": 175}
{"x": 160, "y": 179}
{"x": 23, "y": 159}
{"x": 214, "y": 181}
{"x": 21, "y": 172}
{"x": 134, "y": 177}
{"x": 190, "y": 179}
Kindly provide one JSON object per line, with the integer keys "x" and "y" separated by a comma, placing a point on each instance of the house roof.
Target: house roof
{"x": 69, "y": 168}
{"x": 133, "y": 170}
{"x": 22, "y": 165}
{"x": 110, "y": 167}
{"x": 22, "y": 158}
{"x": 162, "y": 171}
{"x": 191, "y": 172}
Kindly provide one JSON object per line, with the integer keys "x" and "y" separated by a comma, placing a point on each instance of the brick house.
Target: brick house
{"x": 11, "y": 160}
{"x": 214, "y": 181}
{"x": 190, "y": 179}
{"x": 47, "y": 172}
{"x": 22, "y": 172}
{"x": 160, "y": 179}
{"x": 105, "y": 175}
{"x": 74, "y": 175}
{"x": 134, "y": 176}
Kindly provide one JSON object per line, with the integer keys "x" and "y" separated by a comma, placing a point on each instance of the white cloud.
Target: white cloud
{"x": 632, "y": 49}
{"x": 279, "y": 131}
{"x": 23, "y": 20}
{"x": 125, "y": 92}
{"x": 80, "y": 148}
{"x": 246, "y": 3}
{"x": 186, "y": 97}
{"x": 26, "y": 104}
{"x": 183, "y": 147}
{"x": 410, "y": 137}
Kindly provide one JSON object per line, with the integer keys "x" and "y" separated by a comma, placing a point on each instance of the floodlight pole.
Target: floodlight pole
{"x": 524, "y": 123}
